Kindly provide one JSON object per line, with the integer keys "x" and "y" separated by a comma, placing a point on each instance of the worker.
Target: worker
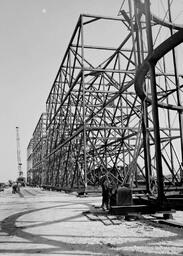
{"x": 105, "y": 184}
{"x": 18, "y": 187}
{"x": 14, "y": 187}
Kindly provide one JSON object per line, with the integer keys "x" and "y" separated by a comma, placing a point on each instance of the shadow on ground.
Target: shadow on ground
{"x": 8, "y": 227}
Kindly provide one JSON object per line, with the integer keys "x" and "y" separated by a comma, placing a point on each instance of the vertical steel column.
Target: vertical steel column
{"x": 155, "y": 109}
{"x": 169, "y": 122}
{"x": 177, "y": 85}
{"x": 83, "y": 91}
{"x": 147, "y": 157}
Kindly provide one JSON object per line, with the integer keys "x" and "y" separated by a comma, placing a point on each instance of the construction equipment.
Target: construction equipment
{"x": 20, "y": 178}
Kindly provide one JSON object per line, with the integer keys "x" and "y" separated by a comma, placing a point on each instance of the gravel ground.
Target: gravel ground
{"x": 53, "y": 223}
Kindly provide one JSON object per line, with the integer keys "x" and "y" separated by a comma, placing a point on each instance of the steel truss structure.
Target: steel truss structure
{"x": 159, "y": 86}
{"x": 115, "y": 106}
{"x": 93, "y": 111}
{"x": 36, "y": 155}
{"x": 29, "y": 162}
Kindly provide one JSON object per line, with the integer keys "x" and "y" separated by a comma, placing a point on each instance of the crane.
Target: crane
{"x": 20, "y": 178}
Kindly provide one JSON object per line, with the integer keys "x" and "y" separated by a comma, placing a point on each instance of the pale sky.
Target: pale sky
{"x": 34, "y": 36}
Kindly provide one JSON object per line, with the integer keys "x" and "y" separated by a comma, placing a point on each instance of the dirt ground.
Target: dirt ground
{"x": 52, "y": 223}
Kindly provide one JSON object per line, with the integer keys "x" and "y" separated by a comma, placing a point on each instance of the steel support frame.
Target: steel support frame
{"x": 98, "y": 124}
{"x": 162, "y": 99}
{"x": 38, "y": 152}
{"x": 29, "y": 162}
{"x": 93, "y": 114}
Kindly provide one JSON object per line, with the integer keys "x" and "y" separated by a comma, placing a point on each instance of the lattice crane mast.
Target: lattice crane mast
{"x": 20, "y": 172}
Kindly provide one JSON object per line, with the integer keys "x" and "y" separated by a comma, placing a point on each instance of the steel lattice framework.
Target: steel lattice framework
{"x": 158, "y": 84}
{"x": 29, "y": 161}
{"x": 93, "y": 112}
{"x": 115, "y": 105}
{"x": 38, "y": 144}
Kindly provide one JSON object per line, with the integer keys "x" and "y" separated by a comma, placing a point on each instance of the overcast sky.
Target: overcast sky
{"x": 34, "y": 36}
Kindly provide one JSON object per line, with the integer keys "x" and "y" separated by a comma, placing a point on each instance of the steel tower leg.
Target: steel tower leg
{"x": 155, "y": 110}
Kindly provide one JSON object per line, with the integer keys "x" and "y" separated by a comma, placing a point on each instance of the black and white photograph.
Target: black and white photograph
{"x": 91, "y": 134}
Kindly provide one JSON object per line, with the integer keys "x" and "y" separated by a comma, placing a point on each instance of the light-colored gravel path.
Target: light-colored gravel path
{"x": 51, "y": 223}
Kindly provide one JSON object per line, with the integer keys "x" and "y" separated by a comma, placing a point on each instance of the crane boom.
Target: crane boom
{"x": 20, "y": 172}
